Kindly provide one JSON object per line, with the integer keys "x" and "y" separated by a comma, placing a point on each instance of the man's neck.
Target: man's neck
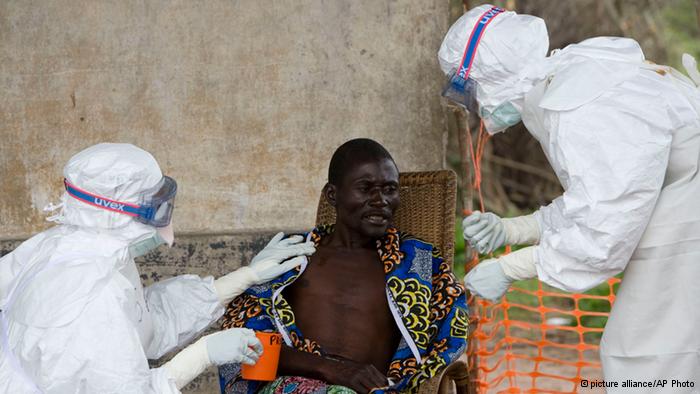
{"x": 345, "y": 238}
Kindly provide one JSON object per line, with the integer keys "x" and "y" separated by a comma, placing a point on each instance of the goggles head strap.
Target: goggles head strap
{"x": 105, "y": 203}
{"x": 465, "y": 65}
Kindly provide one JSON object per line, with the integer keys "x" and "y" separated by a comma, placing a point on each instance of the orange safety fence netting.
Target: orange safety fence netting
{"x": 537, "y": 338}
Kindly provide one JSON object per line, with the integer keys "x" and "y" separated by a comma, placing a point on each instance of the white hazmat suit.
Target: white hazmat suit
{"x": 75, "y": 317}
{"x": 623, "y": 137}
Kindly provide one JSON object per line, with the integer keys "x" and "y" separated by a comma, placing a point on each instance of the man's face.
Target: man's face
{"x": 367, "y": 197}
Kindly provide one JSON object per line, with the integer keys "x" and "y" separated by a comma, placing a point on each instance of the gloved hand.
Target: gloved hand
{"x": 484, "y": 231}
{"x": 235, "y": 345}
{"x": 491, "y": 278}
{"x": 265, "y": 266}
{"x": 487, "y": 232}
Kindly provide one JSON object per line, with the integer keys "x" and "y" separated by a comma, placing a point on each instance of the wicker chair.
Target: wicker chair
{"x": 427, "y": 211}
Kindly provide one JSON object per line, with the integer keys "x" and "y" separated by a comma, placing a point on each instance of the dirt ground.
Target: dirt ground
{"x": 542, "y": 383}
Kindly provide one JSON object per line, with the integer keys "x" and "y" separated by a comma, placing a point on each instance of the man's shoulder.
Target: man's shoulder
{"x": 409, "y": 241}
{"x": 419, "y": 257}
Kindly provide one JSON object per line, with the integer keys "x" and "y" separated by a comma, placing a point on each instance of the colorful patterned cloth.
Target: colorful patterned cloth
{"x": 299, "y": 385}
{"x": 423, "y": 291}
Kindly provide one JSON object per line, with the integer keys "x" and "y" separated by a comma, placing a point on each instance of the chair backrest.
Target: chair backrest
{"x": 427, "y": 209}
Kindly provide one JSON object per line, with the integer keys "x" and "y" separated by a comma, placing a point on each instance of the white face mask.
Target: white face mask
{"x": 162, "y": 235}
{"x": 141, "y": 247}
{"x": 167, "y": 233}
{"x": 500, "y": 118}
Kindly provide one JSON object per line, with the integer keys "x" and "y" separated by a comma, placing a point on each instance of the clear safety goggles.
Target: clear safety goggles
{"x": 461, "y": 89}
{"x": 461, "y": 92}
{"x": 155, "y": 207}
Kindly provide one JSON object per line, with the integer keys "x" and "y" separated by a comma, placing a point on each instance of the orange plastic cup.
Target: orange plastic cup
{"x": 266, "y": 367}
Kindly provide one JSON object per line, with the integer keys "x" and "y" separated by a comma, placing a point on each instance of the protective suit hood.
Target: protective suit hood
{"x": 509, "y": 57}
{"x": 74, "y": 316}
{"x": 116, "y": 171}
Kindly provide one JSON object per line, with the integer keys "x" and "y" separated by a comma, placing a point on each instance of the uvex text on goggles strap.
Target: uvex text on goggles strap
{"x": 143, "y": 213}
{"x": 474, "y": 39}
{"x": 103, "y": 202}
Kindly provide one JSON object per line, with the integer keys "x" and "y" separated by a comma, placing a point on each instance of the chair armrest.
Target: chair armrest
{"x": 441, "y": 383}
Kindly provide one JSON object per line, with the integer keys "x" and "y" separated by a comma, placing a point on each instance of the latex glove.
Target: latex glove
{"x": 265, "y": 266}
{"x": 484, "y": 231}
{"x": 487, "y": 232}
{"x": 270, "y": 262}
{"x": 487, "y": 280}
{"x": 491, "y": 278}
{"x": 235, "y": 345}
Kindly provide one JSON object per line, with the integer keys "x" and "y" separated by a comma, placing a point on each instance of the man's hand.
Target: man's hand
{"x": 360, "y": 377}
{"x": 337, "y": 370}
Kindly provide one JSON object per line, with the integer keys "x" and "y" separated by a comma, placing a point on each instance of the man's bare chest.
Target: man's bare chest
{"x": 338, "y": 280}
{"x": 340, "y": 302}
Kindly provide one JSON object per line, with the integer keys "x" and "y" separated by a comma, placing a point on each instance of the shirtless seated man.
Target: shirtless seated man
{"x": 373, "y": 308}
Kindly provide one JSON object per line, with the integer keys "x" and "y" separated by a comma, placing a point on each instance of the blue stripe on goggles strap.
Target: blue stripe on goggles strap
{"x": 106, "y": 203}
{"x": 474, "y": 38}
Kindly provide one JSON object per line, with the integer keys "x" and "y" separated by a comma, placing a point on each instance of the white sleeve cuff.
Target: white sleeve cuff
{"x": 519, "y": 265}
{"x": 234, "y": 284}
{"x": 189, "y": 363}
{"x": 522, "y": 230}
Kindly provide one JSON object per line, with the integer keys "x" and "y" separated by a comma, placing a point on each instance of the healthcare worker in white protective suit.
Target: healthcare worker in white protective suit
{"x": 75, "y": 317}
{"x": 623, "y": 136}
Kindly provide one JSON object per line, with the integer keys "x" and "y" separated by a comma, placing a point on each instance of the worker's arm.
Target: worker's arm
{"x": 615, "y": 155}
{"x": 184, "y": 306}
{"x": 613, "y": 159}
{"x": 181, "y": 308}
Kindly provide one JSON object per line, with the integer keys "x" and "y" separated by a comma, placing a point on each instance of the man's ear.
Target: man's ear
{"x": 329, "y": 192}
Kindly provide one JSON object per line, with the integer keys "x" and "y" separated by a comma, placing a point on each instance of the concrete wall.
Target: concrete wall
{"x": 243, "y": 102}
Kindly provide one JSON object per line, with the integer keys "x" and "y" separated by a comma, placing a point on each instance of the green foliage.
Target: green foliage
{"x": 460, "y": 258}
{"x": 681, "y": 30}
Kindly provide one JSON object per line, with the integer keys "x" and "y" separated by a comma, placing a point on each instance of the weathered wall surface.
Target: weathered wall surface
{"x": 243, "y": 102}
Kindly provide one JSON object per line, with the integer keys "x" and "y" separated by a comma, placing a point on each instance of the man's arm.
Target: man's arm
{"x": 359, "y": 377}
{"x": 246, "y": 311}
{"x": 295, "y": 362}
